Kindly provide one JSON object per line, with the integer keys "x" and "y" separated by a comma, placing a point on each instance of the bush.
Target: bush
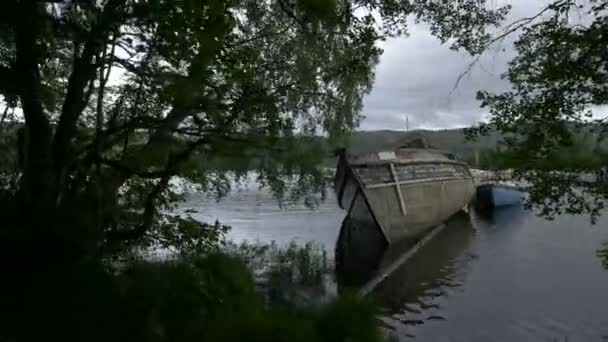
{"x": 347, "y": 319}
{"x": 350, "y": 318}
{"x": 173, "y": 300}
{"x": 211, "y": 298}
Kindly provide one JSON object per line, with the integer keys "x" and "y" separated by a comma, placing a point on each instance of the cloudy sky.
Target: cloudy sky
{"x": 417, "y": 74}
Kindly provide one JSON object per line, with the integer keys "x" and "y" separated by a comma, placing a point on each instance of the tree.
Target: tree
{"x": 120, "y": 96}
{"x": 558, "y": 78}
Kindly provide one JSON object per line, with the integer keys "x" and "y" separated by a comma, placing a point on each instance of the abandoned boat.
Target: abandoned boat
{"x": 401, "y": 192}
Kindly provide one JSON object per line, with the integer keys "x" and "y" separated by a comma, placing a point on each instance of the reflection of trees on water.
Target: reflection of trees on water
{"x": 409, "y": 294}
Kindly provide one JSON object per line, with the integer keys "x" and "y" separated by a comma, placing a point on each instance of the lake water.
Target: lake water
{"x": 506, "y": 276}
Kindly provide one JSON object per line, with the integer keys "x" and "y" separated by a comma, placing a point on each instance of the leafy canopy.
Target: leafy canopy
{"x": 120, "y": 96}
{"x": 558, "y": 97}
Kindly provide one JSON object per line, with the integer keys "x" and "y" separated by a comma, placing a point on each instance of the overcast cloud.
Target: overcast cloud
{"x": 416, "y": 76}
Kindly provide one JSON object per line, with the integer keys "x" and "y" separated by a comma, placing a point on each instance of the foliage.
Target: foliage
{"x": 210, "y": 298}
{"x": 558, "y": 79}
{"x": 348, "y": 319}
{"x": 175, "y": 300}
{"x": 584, "y": 153}
{"x": 119, "y": 96}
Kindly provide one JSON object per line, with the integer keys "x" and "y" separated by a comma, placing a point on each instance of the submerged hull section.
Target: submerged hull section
{"x": 403, "y": 193}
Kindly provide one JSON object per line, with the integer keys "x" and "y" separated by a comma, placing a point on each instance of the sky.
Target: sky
{"x": 416, "y": 76}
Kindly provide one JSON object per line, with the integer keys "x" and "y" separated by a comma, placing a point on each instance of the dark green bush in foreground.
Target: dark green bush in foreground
{"x": 211, "y": 298}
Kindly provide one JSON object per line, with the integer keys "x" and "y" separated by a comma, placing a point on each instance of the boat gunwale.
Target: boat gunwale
{"x": 405, "y": 162}
{"x": 354, "y": 166}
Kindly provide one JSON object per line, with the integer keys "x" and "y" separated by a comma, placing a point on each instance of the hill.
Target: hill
{"x": 587, "y": 148}
{"x": 452, "y": 140}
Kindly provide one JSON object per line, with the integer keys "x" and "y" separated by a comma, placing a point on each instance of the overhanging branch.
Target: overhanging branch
{"x": 130, "y": 170}
{"x": 150, "y": 210}
{"x": 507, "y": 31}
{"x": 84, "y": 70}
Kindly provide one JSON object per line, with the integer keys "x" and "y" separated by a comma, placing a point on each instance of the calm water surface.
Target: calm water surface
{"x": 508, "y": 276}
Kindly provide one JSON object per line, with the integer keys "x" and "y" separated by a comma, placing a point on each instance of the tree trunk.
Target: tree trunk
{"x": 36, "y": 188}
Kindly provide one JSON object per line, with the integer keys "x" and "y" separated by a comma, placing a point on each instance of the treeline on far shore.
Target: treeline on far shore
{"x": 587, "y": 150}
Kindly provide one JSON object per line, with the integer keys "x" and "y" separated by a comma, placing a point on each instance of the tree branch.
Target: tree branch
{"x": 113, "y": 135}
{"x": 84, "y": 70}
{"x": 260, "y": 36}
{"x": 508, "y": 30}
{"x": 289, "y": 12}
{"x": 36, "y": 139}
{"x": 150, "y": 210}
{"x": 129, "y": 170}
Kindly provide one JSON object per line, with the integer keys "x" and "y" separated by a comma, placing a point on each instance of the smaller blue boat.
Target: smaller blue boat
{"x": 499, "y": 195}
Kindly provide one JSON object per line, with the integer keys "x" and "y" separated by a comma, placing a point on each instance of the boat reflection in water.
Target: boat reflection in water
{"x": 358, "y": 253}
{"x": 499, "y": 196}
{"x": 503, "y": 217}
{"x": 408, "y": 296}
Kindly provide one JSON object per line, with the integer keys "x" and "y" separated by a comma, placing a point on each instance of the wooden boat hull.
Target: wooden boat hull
{"x": 427, "y": 205}
{"x": 403, "y": 198}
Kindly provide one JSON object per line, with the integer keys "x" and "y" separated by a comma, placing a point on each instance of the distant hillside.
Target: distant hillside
{"x": 587, "y": 144}
{"x": 452, "y": 140}
{"x": 586, "y": 147}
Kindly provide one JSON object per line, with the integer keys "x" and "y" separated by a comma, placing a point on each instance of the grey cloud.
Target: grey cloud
{"x": 416, "y": 76}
